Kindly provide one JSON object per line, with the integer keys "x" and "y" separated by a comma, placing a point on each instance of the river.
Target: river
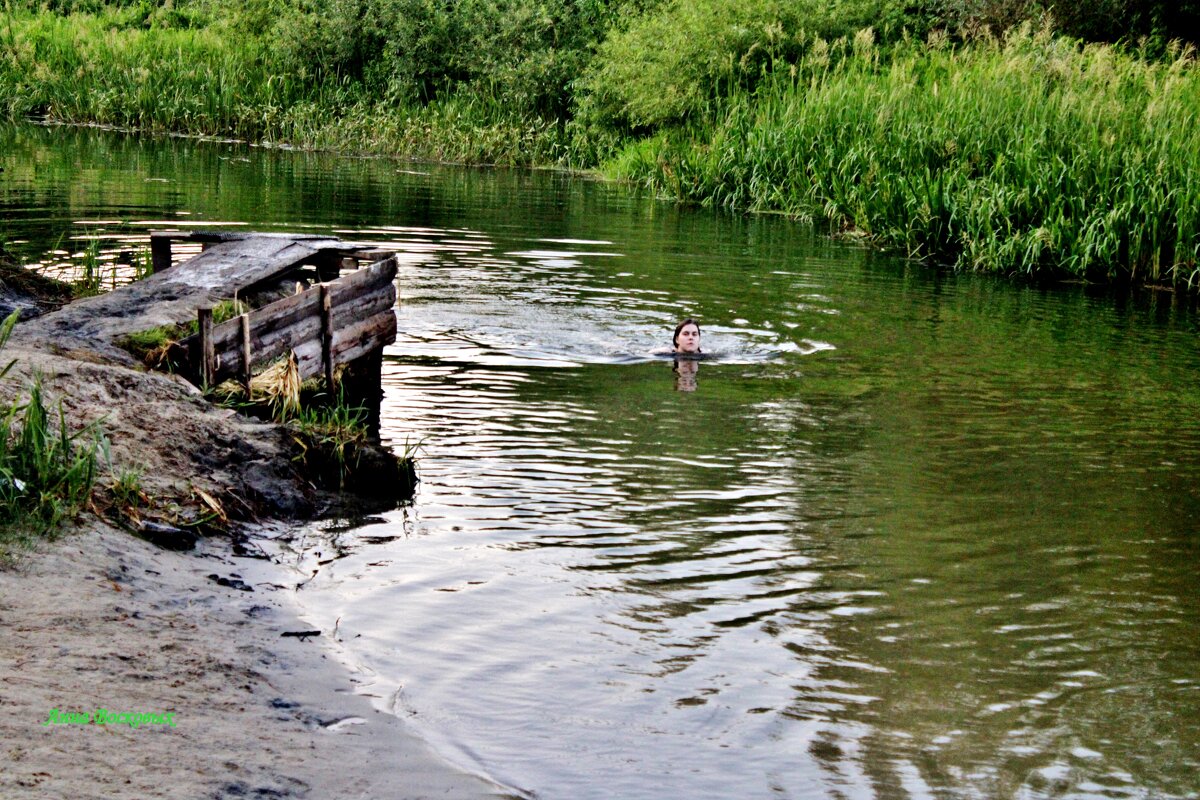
{"x": 904, "y": 534}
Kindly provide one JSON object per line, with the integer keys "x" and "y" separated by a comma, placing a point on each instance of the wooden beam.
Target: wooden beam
{"x": 355, "y": 341}
{"x": 294, "y": 321}
{"x": 247, "y": 361}
{"x": 326, "y": 336}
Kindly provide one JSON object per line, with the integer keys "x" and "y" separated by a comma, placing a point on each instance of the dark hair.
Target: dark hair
{"x": 680, "y": 326}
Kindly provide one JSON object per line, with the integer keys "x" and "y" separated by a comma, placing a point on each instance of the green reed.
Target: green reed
{"x": 83, "y": 68}
{"x": 1030, "y": 155}
{"x": 213, "y": 81}
{"x": 46, "y": 472}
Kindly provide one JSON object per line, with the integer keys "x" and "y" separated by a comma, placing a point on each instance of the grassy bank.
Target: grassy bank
{"x": 95, "y": 68}
{"x": 231, "y": 74}
{"x": 1027, "y": 154}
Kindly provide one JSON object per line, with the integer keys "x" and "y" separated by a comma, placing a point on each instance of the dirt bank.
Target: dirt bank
{"x": 101, "y": 619}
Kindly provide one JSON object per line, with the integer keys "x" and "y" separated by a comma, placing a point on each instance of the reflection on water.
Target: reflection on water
{"x": 686, "y": 371}
{"x": 909, "y": 536}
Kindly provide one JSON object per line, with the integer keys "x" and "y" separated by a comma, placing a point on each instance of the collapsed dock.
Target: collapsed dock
{"x": 327, "y": 301}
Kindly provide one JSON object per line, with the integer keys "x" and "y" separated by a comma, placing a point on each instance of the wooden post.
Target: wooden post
{"x": 160, "y": 252}
{"x": 208, "y": 356}
{"x": 363, "y": 386}
{"x": 327, "y": 336}
{"x": 246, "y": 372}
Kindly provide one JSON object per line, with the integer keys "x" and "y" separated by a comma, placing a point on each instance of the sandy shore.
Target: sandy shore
{"x": 100, "y": 625}
{"x": 103, "y": 620}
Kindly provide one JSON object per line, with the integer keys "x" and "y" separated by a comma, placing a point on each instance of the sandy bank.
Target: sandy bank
{"x": 103, "y": 620}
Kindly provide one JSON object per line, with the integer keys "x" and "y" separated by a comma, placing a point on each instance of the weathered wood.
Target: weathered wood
{"x": 208, "y": 356}
{"x": 236, "y": 262}
{"x": 160, "y": 252}
{"x": 349, "y": 343}
{"x": 364, "y": 295}
{"x": 368, "y": 286}
{"x": 326, "y": 336}
{"x": 247, "y": 361}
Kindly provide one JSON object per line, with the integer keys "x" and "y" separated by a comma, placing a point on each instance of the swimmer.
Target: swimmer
{"x": 687, "y": 337}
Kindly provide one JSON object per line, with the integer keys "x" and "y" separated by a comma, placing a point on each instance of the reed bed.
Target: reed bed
{"x": 1031, "y": 155}
{"x": 82, "y": 69}
{"x": 85, "y": 68}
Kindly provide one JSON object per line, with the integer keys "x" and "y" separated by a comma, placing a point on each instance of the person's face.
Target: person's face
{"x": 688, "y": 340}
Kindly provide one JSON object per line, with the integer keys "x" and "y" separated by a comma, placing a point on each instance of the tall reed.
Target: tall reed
{"x": 1029, "y": 155}
{"x": 85, "y": 68}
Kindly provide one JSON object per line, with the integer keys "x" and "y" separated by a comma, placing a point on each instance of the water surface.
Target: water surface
{"x": 909, "y": 536}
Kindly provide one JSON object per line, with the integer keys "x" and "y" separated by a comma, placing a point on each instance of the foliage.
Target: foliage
{"x": 330, "y": 436}
{"x": 674, "y": 62}
{"x": 46, "y": 472}
{"x": 329, "y": 431}
{"x": 91, "y": 282}
{"x": 1088, "y": 174}
{"x": 153, "y": 346}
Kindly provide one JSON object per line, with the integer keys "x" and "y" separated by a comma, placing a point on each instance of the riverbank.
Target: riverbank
{"x": 102, "y": 620}
{"x": 1027, "y": 154}
{"x": 101, "y": 625}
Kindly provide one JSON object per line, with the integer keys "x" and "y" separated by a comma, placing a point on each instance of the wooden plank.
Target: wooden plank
{"x": 247, "y": 361}
{"x": 289, "y": 311}
{"x": 289, "y": 323}
{"x": 377, "y": 274}
{"x": 236, "y": 261}
{"x": 268, "y": 319}
{"x": 353, "y": 342}
{"x": 301, "y": 323}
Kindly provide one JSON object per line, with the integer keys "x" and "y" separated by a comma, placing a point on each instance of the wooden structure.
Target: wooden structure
{"x": 346, "y": 315}
{"x": 339, "y": 320}
{"x": 325, "y": 326}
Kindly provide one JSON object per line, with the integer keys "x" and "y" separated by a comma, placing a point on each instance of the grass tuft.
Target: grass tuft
{"x": 46, "y": 472}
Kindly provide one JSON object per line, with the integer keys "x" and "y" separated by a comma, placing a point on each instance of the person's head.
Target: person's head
{"x": 687, "y": 337}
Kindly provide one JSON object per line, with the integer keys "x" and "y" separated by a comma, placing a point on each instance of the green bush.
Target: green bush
{"x": 676, "y": 62}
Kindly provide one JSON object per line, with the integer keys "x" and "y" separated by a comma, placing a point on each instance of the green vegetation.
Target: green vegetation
{"x": 46, "y": 472}
{"x": 1027, "y": 155}
{"x": 328, "y": 430}
{"x": 153, "y": 347}
{"x": 980, "y": 133}
{"x": 330, "y": 437}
